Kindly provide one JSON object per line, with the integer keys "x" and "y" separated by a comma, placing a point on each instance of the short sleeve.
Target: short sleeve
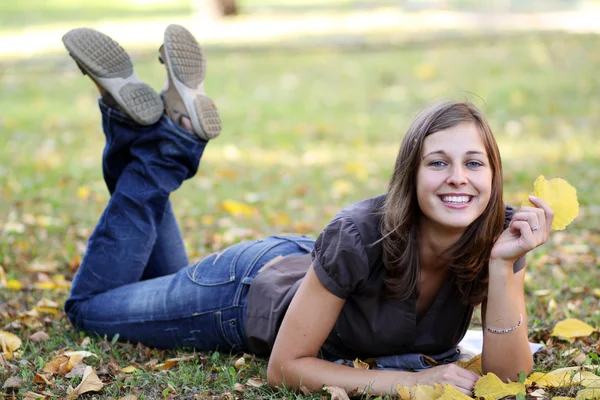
{"x": 509, "y": 211}
{"x": 339, "y": 257}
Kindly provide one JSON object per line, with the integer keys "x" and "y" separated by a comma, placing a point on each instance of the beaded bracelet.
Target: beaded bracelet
{"x": 507, "y": 329}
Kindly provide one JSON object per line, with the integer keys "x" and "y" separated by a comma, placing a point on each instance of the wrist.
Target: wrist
{"x": 500, "y": 265}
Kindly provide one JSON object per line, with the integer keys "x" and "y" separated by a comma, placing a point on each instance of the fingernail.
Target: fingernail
{"x": 532, "y": 197}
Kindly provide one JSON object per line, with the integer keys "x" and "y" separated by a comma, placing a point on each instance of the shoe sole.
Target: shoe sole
{"x": 105, "y": 61}
{"x": 186, "y": 67}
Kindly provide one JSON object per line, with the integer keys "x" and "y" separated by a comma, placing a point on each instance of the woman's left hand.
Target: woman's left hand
{"x": 528, "y": 229}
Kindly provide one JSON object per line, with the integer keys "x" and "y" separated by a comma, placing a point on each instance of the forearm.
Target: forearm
{"x": 505, "y": 354}
{"x": 315, "y": 373}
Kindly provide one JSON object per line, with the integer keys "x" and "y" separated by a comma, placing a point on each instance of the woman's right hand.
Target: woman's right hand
{"x": 449, "y": 374}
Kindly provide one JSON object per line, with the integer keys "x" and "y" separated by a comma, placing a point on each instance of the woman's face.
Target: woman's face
{"x": 454, "y": 179}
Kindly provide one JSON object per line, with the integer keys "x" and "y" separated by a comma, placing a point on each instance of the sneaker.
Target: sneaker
{"x": 110, "y": 67}
{"x": 184, "y": 94}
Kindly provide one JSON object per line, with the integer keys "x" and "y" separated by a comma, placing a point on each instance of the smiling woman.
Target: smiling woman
{"x": 390, "y": 277}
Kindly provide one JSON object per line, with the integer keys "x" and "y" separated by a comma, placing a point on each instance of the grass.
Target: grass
{"x": 304, "y": 134}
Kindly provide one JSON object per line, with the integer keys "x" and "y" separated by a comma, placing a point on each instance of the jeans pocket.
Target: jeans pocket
{"x": 218, "y": 268}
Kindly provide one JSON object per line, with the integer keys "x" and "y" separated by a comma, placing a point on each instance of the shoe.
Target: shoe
{"x": 184, "y": 94}
{"x": 110, "y": 67}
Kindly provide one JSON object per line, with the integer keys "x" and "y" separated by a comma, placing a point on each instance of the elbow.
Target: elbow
{"x": 510, "y": 373}
{"x": 275, "y": 373}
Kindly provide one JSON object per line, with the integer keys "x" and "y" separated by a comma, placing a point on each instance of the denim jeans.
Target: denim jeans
{"x": 134, "y": 279}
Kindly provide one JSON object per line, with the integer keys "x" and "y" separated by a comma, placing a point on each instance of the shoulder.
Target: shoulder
{"x": 365, "y": 215}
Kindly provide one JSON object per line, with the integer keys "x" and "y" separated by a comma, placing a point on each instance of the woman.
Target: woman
{"x": 389, "y": 277}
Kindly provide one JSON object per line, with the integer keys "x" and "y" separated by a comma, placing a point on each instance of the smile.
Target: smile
{"x": 456, "y": 199}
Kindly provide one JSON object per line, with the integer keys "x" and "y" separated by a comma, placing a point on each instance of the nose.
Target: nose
{"x": 457, "y": 176}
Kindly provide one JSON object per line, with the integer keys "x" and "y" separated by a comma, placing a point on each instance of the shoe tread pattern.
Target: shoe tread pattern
{"x": 98, "y": 53}
{"x": 186, "y": 57}
{"x": 142, "y": 103}
{"x": 208, "y": 115}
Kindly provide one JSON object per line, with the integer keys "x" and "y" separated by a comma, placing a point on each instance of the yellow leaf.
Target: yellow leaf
{"x": 46, "y": 310}
{"x": 9, "y": 343}
{"x": 48, "y": 285}
{"x": 572, "y": 328}
{"x": 129, "y": 369}
{"x": 89, "y": 383}
{"x": 236, "y": 208}
{"x": 474, "y": 364}
{"x": 560, "y": 196}
{"x": 563, "y": 398}
{"x": 588, "y": 394}
{"x": 403, "y": 392}
{"x": 83, "y": 193}
{"x": 423, "y": 392}
{"x": 451, "y": 393}
{"x": 357, "y": 170}
{"x": 490, "y": 387}
{"x": 360, "y": 364}
{"x": 13, "y": 284}
{"x": 564, "y": 377}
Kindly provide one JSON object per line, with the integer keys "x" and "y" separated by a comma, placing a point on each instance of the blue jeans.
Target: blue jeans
{"x": 134, "y": 279}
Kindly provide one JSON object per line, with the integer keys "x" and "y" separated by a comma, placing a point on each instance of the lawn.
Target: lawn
{"x": 305, "y": 134}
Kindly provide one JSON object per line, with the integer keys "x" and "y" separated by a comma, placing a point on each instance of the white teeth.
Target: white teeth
{"x": 456, "y": 199}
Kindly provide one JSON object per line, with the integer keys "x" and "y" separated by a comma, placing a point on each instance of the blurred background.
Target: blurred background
{"x": 315, "y": 97}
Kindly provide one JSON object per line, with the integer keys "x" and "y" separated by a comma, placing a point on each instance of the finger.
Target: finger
{"x": 524, "y": 229}
{"x": 541, "y": 217}
{"x": 465, "y": 385}
{"x": 543, "y": 205}
{"x": 468, "y": 392}
{"x": 530, "y": 217}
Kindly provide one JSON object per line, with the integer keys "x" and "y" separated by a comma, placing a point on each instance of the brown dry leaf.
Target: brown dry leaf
{"x": 490, "y": 387}
{"x": 89, "y": 383}
{"x": 12, "y": 383}
{"x": 572, "y": 328}
{"x": 42, "y": 379}
{"x": 33, "y": 395}
{"x": 172, "y": 362}
{"x": 39, "y": 336}
{"x": 588, "y": 394}
{"x": 9, "y": 343}
{"x": 337, "y": 393}
{"x": 474, "y": 364}
{"x": 360, "y": 364}
{"x": 128, "y": 397}
{"x": 82, "y": 353}
{"x": 53, "y": 366}
{"x": 31, "y": 319}
{"x": 77, "y": 371}
{"x": 238, "y": 387}
{"x": 255, "y": 382}
{"x": 539, "y": 393}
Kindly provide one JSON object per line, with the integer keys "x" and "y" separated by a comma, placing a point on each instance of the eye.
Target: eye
{"x": 474, "y": 164}
{"x": 437, "y": 164}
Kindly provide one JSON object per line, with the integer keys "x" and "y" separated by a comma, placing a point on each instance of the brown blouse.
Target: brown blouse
{"x": 347, "y": 259}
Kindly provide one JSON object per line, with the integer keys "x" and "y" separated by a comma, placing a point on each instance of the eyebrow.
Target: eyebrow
{"x": 444, "y": 153}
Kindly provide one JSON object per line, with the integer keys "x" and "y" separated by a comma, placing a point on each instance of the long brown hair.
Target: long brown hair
{"x": 400, "y": 221}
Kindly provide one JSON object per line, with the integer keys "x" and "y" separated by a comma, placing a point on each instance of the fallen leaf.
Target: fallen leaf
{"x": 42, "y": 379}
{"x": 128, "y": 397}
{"x": 337, "y": 393}
{"x": 360, "y": 364}
{"x": 560, "y": 196}
{"x": 12, "y": 383}
{"x": 572, "y": 328}
{"x": 89, "y": 383}
{"x": 82, "y": 353}
{"x": 588, "y": 394}
{"x": 474, "y": 364}
{"x": 236, "y": 208}
{"x": 77, "y": 371}
{"x": 255, "y": 382}
{"x": 13, "y": 284}
{"x": 451, "y": 393}
{"x": 238, "y": 387}
{"x": 9, "y": 343}
{"x": 129, "y": 369}
{"x": 239, "y": 363}
{"x": 53, "y": 366}
{"x": 490, "y": 387}
{"x": 33, "y": 395}
{"x": 39, "y": 336}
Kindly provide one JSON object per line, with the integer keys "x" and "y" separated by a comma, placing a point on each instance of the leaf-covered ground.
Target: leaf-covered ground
{"x": 304, "y": 134}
